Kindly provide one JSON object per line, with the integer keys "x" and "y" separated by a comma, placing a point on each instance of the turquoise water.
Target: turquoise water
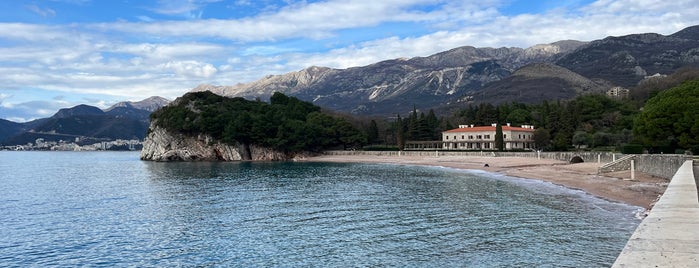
{"x": 110, "y": 209}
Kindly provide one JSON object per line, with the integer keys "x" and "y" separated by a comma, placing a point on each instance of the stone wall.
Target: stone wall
{"x": 661, "y": 165}
{"x": 563, "y": 156}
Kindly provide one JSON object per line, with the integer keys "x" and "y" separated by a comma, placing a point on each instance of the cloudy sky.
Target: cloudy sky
{"x": 60, "y": 53}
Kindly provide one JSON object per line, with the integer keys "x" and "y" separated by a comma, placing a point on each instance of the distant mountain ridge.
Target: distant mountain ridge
{"x": 396, "y": 86}
{"x": 150, "y": 104}
{"x": 124, "y": 120}
{"x": 626, "y": 60}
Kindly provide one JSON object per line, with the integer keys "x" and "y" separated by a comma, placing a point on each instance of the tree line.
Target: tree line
{"x": 661, "y": 120}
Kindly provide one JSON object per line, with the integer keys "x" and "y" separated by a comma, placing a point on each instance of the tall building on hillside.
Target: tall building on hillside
{"x": 618, "y": 92}
{"x": 469, "y": 137}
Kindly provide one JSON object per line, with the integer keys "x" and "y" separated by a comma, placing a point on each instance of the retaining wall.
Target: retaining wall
{"x": 661, "y": 165}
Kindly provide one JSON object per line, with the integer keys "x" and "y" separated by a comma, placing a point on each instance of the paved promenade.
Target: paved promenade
{"x": 669, "y": 236}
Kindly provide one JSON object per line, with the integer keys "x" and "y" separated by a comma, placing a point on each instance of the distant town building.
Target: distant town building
{"x": 618, "y": 92}
{"x": 470, "y": 137}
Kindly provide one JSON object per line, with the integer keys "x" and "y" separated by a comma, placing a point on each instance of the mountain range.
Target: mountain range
{"x": 559, "y": 70}
{"x": 124, "y": 120}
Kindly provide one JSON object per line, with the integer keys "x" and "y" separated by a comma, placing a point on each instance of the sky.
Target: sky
{"x": 60, "y": 53}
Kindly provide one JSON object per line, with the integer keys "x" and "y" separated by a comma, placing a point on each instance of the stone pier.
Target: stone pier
{"x": 669, "y": 236}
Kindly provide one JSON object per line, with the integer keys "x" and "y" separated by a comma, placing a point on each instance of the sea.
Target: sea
{"x": 109, "y": 209}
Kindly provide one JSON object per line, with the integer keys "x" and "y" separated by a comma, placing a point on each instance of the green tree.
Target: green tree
{"x": 542, "y": 138}
{"x": 499, "y": 138}
{"x": 373, "y": 132}
{"x": 671, "y": 118}
{"x": 399, "y": 130}
{"x": 581, "y": 138}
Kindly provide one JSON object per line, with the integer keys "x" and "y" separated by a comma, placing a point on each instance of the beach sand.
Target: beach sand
{"x": 643, "y": 191}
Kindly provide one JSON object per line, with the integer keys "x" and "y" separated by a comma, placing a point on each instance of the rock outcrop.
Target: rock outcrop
{"x": 162, "y": 145}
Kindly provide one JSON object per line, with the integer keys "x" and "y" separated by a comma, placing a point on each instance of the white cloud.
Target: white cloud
{"x": 168, "y": 51}
{"x": 191, "y": 68}
{"x": 135, "y": 60}
{"x": 31, "y": 32}
{"x": 186, "y": 8}
{"x": 44, "y": 12}
{"x": 311, "y": 20}
{"x": 4, "y": 96}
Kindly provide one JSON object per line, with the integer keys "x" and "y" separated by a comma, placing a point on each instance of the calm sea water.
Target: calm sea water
{"x": 110, "y": 209}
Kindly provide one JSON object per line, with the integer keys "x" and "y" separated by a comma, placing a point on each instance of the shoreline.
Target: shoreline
{"x": 616, "y": 186}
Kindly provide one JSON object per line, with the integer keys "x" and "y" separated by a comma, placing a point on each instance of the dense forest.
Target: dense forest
{"x": 286, "y": 124}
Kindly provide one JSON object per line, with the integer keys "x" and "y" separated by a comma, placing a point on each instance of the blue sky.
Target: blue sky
{"x": 60, "y": 53}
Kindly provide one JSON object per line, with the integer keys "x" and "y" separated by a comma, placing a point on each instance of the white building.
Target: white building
{"x": 469, "y": 137}
{"x": 618, "y": 92}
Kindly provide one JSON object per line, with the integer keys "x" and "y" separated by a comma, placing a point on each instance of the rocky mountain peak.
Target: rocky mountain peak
{"x": 150, "y": 104}
{"x": 690, "y": 33}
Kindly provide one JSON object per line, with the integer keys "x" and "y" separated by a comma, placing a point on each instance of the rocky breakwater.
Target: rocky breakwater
{"x": 162, "y": 145}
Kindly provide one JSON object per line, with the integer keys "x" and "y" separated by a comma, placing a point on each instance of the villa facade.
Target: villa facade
{"x": 469, "y": 137}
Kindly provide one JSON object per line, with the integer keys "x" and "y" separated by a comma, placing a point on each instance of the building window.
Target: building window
{"x": 487, "y": 136}
{"x": 504, "y": 136}
{"x": 479, "y": 137}
{"x": 462, "y": 137}
{"x": 447, "y": 137}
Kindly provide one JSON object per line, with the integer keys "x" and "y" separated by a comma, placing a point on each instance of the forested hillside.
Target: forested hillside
{"x": 668, "y": 122}
{"x": 285, "y": 124}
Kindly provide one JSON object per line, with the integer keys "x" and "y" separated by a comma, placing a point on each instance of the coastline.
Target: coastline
{"x": 615, "y": 186}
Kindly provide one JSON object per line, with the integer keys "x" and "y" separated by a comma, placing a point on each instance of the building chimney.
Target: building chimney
{"x": 508, "y": 124}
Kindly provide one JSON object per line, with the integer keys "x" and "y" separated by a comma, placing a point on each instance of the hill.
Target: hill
{"x": 81, "y": 109}
{"x": 626, "y": 60}
{"x": 89, "y": 124}
{"x": 537, "y": 82}
{"x": 286, "y": 125}
{"x": 9, "y": 129}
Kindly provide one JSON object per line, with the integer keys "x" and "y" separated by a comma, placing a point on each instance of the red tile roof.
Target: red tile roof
{"x": 488, "y": 128}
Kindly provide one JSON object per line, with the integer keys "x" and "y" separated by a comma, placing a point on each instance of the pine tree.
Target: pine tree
{"x": 373, "y": 132}
{"x": 499, "y": 139}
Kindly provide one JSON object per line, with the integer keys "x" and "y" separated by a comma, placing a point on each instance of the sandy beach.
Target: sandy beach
{"x": 643, "y": 191}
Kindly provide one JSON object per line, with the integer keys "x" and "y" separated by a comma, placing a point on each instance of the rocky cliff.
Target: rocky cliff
{"x": 161, "y": 145}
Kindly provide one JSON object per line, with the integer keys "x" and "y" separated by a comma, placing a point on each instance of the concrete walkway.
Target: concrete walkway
{"x": 669, "y": 236}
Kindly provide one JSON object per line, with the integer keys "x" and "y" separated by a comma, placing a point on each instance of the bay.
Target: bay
{"x": 111, "y": 209}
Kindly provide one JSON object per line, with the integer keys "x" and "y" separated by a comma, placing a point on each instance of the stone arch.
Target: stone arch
{"x": 576, "y": 159}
